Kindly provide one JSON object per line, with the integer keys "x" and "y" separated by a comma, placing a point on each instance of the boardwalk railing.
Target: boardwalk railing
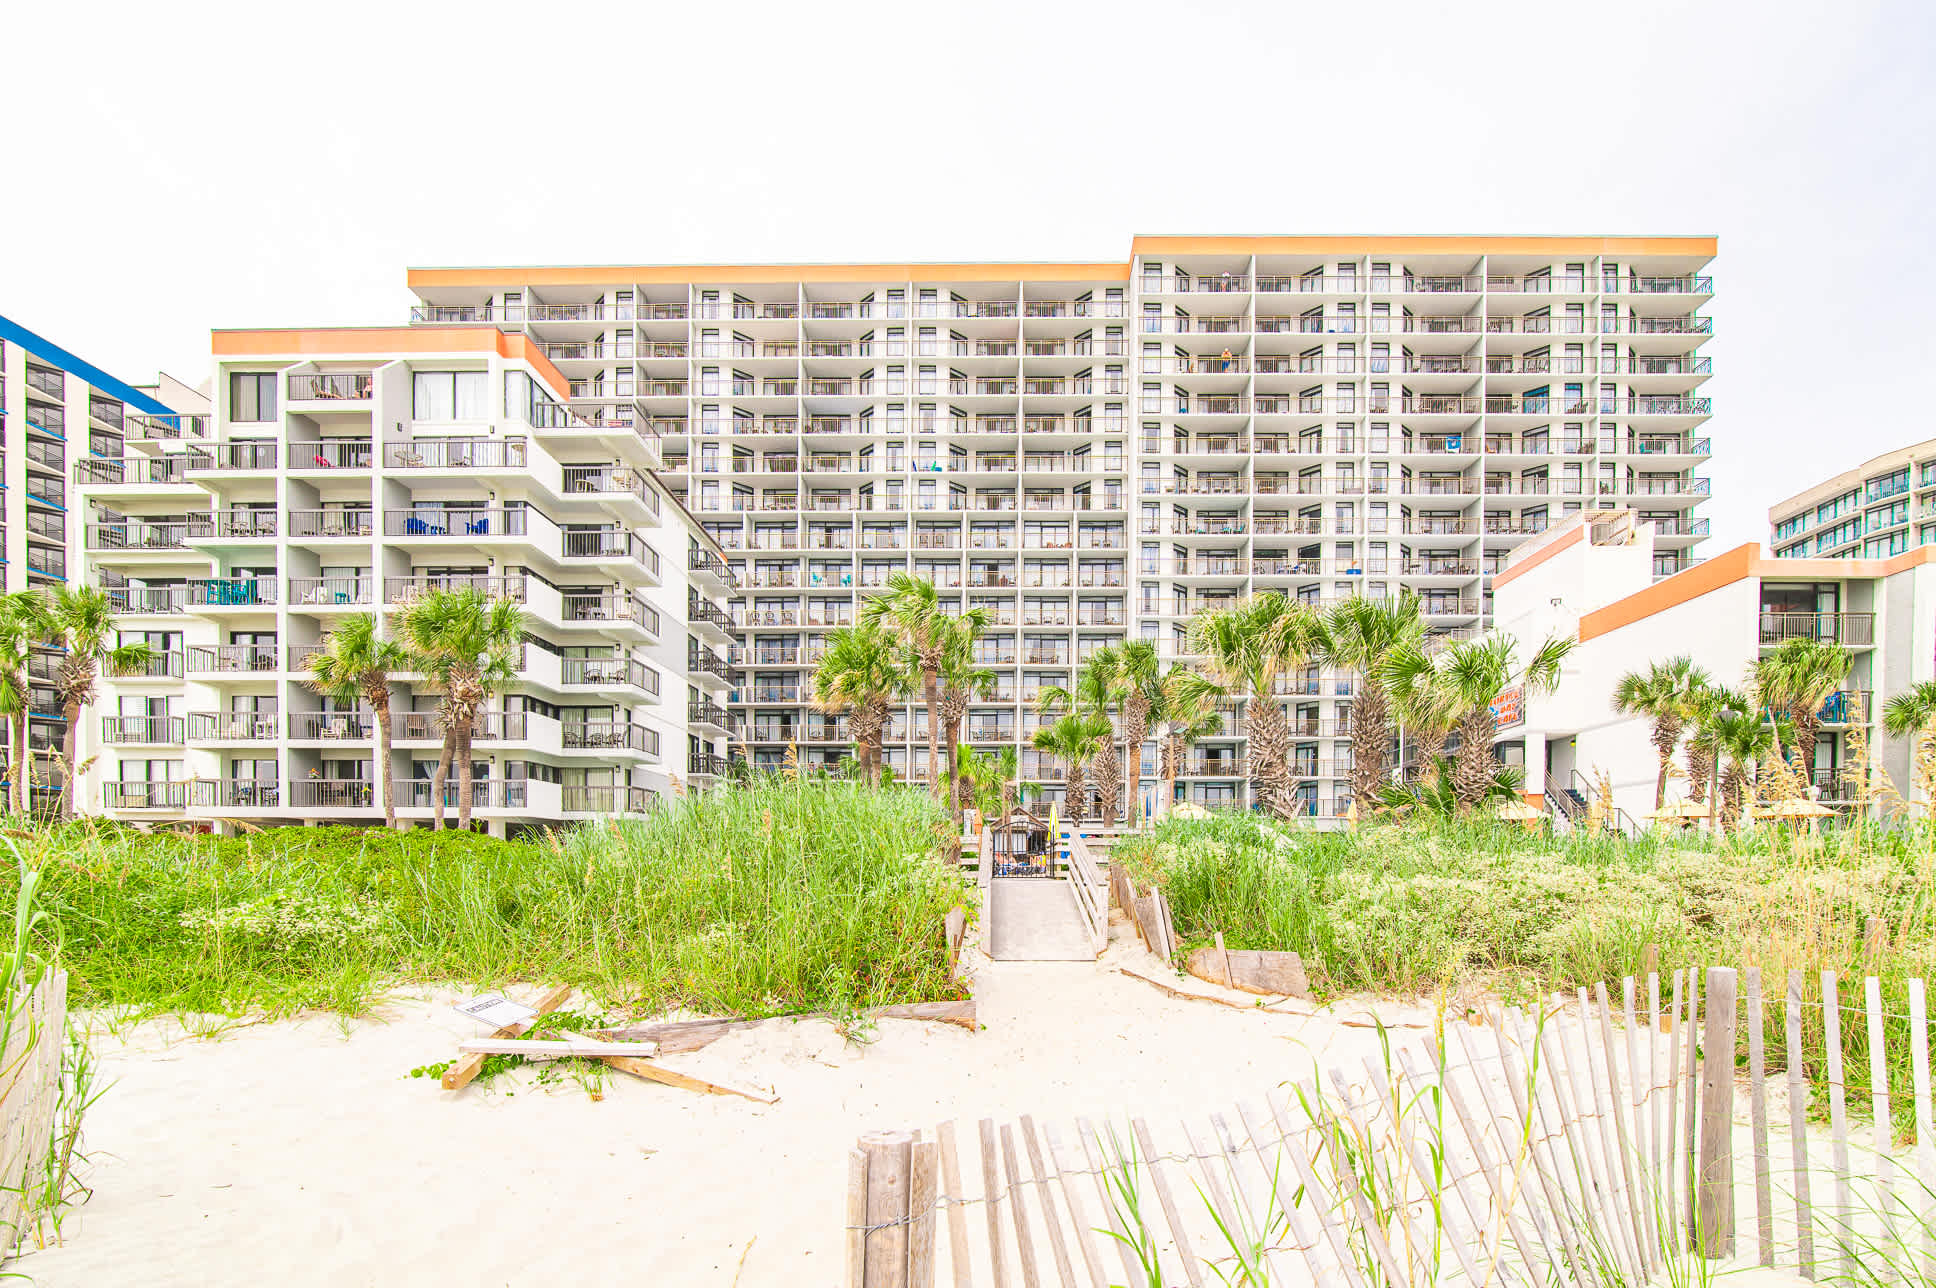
{"x": 1092, "y": 896}
{"x": 1593, "y": 1142}
{"x": 30, "y": 1093}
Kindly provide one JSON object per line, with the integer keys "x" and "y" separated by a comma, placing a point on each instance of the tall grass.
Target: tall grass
{"x": 769, "y": 898}
{"x": 1487, "y": 906}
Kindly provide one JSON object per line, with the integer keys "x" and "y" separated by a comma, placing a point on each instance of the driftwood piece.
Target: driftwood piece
{"x": 556, "y": 1048}
{"x": 691, "y": 1035}
{"x": 652, "y": 1072}
{"x": 1272, "y": 973}
{"x": 467, "y": 1067}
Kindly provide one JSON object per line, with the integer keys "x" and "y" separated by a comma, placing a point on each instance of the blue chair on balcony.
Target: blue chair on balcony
{"x": 478, "y": 527}
{"x": 415, "y": 527}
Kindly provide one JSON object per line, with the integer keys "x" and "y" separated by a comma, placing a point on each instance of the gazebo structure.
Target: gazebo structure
{"x": 1020, "y": 842}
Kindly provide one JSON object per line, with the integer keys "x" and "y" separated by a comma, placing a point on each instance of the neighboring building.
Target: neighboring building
{"x": 54, "y": 409}
{"x": 1593, "y": 577}
{"x": 1880, "y": 508}
{"x": 351, "y": 470}
{"x": 1097, "y": 451}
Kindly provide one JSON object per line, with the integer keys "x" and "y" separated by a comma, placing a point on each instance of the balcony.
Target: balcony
{"x": 705, "y": 764}
{"x": 232, "y": 726}
{"x": 140, "y": 795}
{"x": 402, "y": 591}
{"x": 232, "y": 456}
{"x": 231, "y": 659}
{"x": 313, "y": 592}
{"x": 486, "y": 726}
{"x": 609, "y": 673}
{"x": 312, "y": 523}
{"x": 457, "y": 454}
{"x": 609, "y": 735}
{"x": 140, "y": 534}
{"x": 129, "y": 471}
{"x": 1853, "y": 629}
{"x": 419, "y": 794}
{"x": 146, "y": 599}
{"x": 707, "y": 712}
{"x": 231, "y": 592}
{"x": 604, "y": 798}
{"x": 332, "y": 454}
{"x": 332, "y": 794}
{"x": 331, "y": 726}
{"x": 445, "y": 521}
{"x": 141, "y": 729}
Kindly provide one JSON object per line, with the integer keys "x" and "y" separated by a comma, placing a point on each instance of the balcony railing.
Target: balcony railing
{"x": 236, "y": 592}
{"x": 486, "y": 726}
{"x": 604, "y": 798}
{"x": 233, "y": 524}
{"x": 139, "y": 534}
{"x": 146, "y": 599}
{"x": 610, "y": 672}
{"x": 1836, "y": 628}
{"x": 403, "y": 590}
{"x": 331, "y": 386}
{"x": 331, "y": 726}
{"x": 457, "y": 454}
{"x": 706, "y": 763}
{"x": 153, "y": 729}
{"x": 332, "y": 793}
{"x": 609, "y": 735}
{"x": 223, "y": 659}
{"x": 417, "y": 793}
{"x": 108, "y": 471}
{"x": 130, "y": 795}
{"x": 232, "y": 456}
{"x": 706, "y": 711}
{"x": 232, "y": 726}
{"x": 332, "y": 454}
{"x": 312, "y": 591}
{"x": 328, "y": 523}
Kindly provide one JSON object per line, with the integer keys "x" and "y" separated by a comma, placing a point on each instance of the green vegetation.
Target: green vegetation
{"x": 754, "y": 900}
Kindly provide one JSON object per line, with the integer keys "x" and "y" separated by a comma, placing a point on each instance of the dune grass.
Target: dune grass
{"x": 1471, "y": 906}
{"x": 769, "y": 898}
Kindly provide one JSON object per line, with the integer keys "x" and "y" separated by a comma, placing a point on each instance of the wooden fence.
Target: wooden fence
{"x": 1092, "y": 896}
{"x": 30, "y": 1084}
{"x": 1592, "y": 1143}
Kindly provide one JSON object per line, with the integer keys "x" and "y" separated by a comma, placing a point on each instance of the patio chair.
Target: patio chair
{"x": 414, "y": 526}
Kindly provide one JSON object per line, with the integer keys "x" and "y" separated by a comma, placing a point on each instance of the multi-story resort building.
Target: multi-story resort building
{"x": 1593, "y": 578}
{"x": 353, "y": 470}
{"x": 55, "y": 408}
{"x": 1097, "y": 451}
{"x": 1878, "y": 509}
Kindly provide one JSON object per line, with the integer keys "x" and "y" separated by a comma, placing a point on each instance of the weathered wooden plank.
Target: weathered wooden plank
{"x": 1589, "y": 1099}
{"x": 1654, "y": 1119}
{"x": 1058, "y": 1247}
{"x": 463, "y": 1070}
{"x": 652, "y": 1072}
{"x": 1133, "y": 1275}
{"x": 1716, "y": 1208}
{"x": 1223, "y": 960}
{"x": 1838, "y": 1118}
{"x": 1535, "y": 1133}
{"x": 1692, "y": 1093}
{"x": 1758, "y": 1123}
{"x": 1798, "y": 1130}
{"x": 677, "y": 1036}
{"x": 1506, "y": 1195}
{"x": 957, "y": 1211}
{"x": 856, "y": 1218}
{"x": 1369, "y": 1228}
{"x": 1446, "y": 1223}
{"x": 556, "y": 1048}
{"x": 991, "y": 1188}
{"x": 1275, "y": 974}
{"x": 1925, "y": 1122}
{"x": 1643, "y": 1196}
{"x": 1086, "y": 1242}
{"x": 1179, "y": 1236}
{"x": 1262, "y": 1138}
{"x": 1885, "y": 1137}
{"x": 1581, "y": 1142}
{"x": 1018, "y": 1210}
{"x": 1609, "y": 1094}
{"x": 890, "y": 1156}
{"x": 923, "y": 1185}
{"x": 1670, "y": 1170}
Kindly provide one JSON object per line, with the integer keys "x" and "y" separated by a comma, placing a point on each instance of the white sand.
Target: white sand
{"x": 301, "y": 1153}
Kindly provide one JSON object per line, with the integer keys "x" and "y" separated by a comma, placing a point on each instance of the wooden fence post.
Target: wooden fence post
{"x": 889, "y": 1180}
{"x": 1716, "y": 1187}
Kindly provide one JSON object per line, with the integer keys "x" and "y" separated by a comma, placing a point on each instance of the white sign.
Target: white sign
{"x": 496, "y": 1010}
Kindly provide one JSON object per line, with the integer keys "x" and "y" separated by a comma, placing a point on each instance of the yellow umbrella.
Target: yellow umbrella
{"x": 1351, "y": 814}
{"x": 1679, "y": 812}
{"x": 1189, "y": 809}
{"x": 1793, "y": 807}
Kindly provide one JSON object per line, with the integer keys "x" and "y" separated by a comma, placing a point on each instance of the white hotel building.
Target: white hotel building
{"x": 350, "y": 470}
{"x": 1097, "y": 451}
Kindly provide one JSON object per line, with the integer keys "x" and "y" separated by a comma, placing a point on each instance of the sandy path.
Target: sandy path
{"x": 301, "y": 1153}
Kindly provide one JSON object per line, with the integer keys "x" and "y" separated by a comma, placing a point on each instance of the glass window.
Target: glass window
{"x": 448, "y": 395}
{"x": 252, "y": 395}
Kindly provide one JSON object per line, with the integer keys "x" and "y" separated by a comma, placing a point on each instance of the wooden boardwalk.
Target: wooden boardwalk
{"x": 1035, "y": 919}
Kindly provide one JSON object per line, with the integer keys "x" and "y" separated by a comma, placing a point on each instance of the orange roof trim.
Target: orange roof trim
{"x": 383, "y": 341}
{"x": 1536, "y": 558}
{"x": 758, "y": 274}
{"x": 1722, "y": 570}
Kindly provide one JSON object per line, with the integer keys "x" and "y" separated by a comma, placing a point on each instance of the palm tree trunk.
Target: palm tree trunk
{"x": 1473, "y": 772}
{"x": 20, "y": 756}
{"x": 951, "y": 746}
{"x": 1172, "y": 753}
{"x": 1806, "y": 727}
{"x": 931, "y": 691}
{"x": 1431, "y": 746}
{"x": 464, "y": 777}
{"x": 1370, "y": 734}
{"x": 1109, "y": 779}
{"x": 71, "y": 710}
{"x": 381, "y": 704}
{"x": 1667, "y": 736}
{"x": 1135, "y": 729}
{"x": 1700, "y": 764}
{"x": 1270, "y": 752}
{"x": 442, "y": 776}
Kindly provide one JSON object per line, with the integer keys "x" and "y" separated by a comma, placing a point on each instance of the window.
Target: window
{"x": 448, "y": 395}
{"x": 252, "y": 395}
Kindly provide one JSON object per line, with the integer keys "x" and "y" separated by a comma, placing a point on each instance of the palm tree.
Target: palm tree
{"x": 962, "y": 680}
{"x": 862, "y": 673}
{"x": 1360, "y": 635}
{"x": 1665, "y": 693}
{"x": 355, "y": 665}
{"x": 1913, "y": 712}
{"x": 1426, "y": 704}
{"x": 1073, "y": 740}
{"x": 1794, "y": 681}
{"x": 1478, "y": 671}
{"x": 80, "y": 620}
{"x": 1098, "y": 692}
{"x": 1139, "y": 673}
{"x": 911, "y": 609}
{"x": 1246, "y": 649}
{"x": 1743, "y": 739}
{"x": 465, "y": 643}
{"x": 23, "y": 623}
{"x": 1185, "y": 712}
{"x": 1712, "y": 704}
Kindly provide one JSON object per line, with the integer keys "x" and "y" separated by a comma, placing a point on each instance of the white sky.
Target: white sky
{"x": 183, "y": 167}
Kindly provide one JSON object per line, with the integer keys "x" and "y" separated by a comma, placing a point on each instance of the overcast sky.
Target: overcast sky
{"x": 185, "y": 167}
